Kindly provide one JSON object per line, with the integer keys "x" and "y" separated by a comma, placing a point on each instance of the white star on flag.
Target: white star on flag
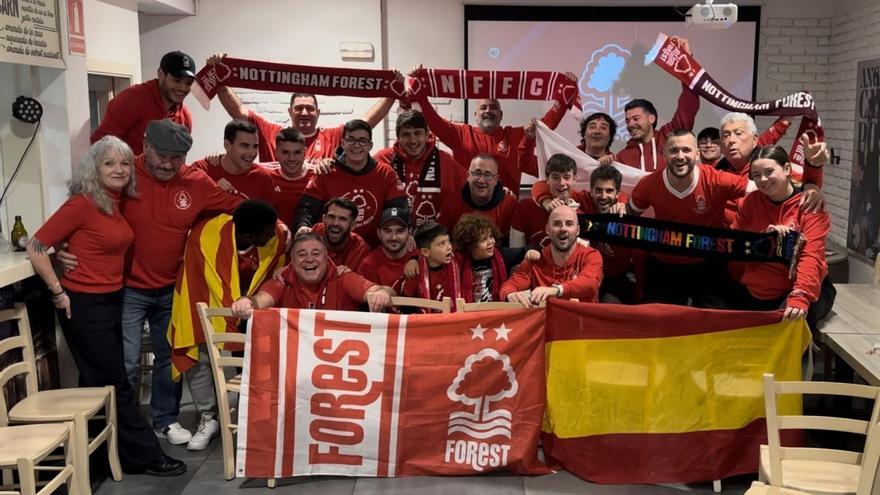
{"x": 478, "y": 332}
{"x": 502, "y": 332}
{"x": 748, "y": 243}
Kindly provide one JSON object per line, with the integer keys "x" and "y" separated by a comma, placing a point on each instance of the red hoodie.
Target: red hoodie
{"x": 580, "y": 276}
{"x": 770, "y": 280}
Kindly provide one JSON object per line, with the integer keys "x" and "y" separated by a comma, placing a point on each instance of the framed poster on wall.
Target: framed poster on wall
{"x": 863, "y": 231}
{"x": 29, "y": 33}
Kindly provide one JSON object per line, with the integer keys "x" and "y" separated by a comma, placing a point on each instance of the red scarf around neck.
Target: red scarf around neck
{"x": 499, "y": 275}
{"x": 449, "y": 282}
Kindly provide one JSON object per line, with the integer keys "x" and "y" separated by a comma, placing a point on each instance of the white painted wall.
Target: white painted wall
{"x": 112, "y": 38}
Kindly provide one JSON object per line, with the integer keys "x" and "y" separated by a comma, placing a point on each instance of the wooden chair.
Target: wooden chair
{"x": 877, "y": 270}
{"x": 24, "y": 447}
{"x": 818, "y": 470}
{"x": 77, "y": 405}
{"x": 467, "y": 307}
{"x": 223, "y": 386}
{"x": 759, "y": 488}
{"x": 444, "y": 306}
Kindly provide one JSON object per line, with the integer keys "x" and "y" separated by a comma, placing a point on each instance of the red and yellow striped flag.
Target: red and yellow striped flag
{"x": 657, "y": 393}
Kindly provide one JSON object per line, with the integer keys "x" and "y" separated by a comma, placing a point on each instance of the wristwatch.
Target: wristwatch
{"x": 558, "y": 288}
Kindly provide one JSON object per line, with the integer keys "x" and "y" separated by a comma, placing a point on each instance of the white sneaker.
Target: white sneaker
{"x": 175, "y": 434}
{"x": 208, "y": 429}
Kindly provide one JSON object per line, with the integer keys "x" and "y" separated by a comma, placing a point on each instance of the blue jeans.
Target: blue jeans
{"x": 154, "y": 306}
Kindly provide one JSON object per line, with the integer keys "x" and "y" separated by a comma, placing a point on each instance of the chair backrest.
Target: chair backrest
{"x": 26, "y": 366}
{"x": 444, "y": 306}
{"x": 467, "y": 307}
{"x": 214, "y": 341}
{"x": 866, "y": 460}
{"x": 877, "y": 270}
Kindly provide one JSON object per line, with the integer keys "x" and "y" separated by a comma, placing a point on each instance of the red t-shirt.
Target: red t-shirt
{"x": 350, "y": 254}
{"x": 161, "y": 217}
{"x": 256, "y": 183}
{"x": 702, "y": 203}
{"x": 467, "y": 141}
{"x": 770, "y": 280}
{"x": 426, "y": 199}
{"x": 131, "y": 110}
{"x": 287, "y": 193}
{"x": 321, "y": 144}
{"x": 379, "y": 268}
{"x": 98, "y": 240}
{"x": 370, "y": 188}
{"x": 340, "y": 292}
{"x": 580, "y": 276}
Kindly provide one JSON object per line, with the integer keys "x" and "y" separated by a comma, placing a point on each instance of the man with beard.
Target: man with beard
{"x": 311, "y": 282}
{"x": 344, "y": 247}
{"x": 356, "y": 176}
{"x": 304, "y": 113}
{"x": 384, "y": 265}
{"x": 289, "y": 175}
{"x": 237, "y": 171}
{"x": 566, "y": 268}
{"x": 484, "y": 195}
{"x": 689, "y": 193}
{"x": 430, "y": 176}
{"x": 162, "y": 98}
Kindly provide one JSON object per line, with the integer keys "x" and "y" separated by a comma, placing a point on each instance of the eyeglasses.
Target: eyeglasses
{"x": 478, "y": 174}
{"x": 361, "y": 141}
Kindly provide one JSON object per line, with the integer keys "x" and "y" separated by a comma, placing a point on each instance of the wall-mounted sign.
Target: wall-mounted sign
{"x": 76, "y": 29}
{"x": 29, "y": 33}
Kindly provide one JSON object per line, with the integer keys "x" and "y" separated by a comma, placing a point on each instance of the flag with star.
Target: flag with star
{"x": 658, "y": 394}
{"x": 368, "y": 394}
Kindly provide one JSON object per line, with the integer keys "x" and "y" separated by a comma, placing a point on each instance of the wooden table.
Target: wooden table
{"x": 857, "y": 349}
{"x": 853, "y": 327}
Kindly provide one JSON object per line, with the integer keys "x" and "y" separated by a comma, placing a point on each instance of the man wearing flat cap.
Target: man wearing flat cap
{"x": 170, "y": 198}
{"x": 161, "y": 98}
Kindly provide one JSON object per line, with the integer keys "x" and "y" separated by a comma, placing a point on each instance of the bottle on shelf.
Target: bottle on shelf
{"x": 19, "y": 235}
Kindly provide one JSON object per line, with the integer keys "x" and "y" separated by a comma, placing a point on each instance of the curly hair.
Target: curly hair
{"x": 469, "y": 231}
{"x": 86, "y": 179}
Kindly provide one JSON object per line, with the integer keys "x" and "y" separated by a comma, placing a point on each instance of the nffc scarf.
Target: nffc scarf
{"x": 272, "y": 76}
{"x": 670, "y": 56}
{"x": 449, "y": 285}
{"x": 496, "y": 84}
{"x": 698, "y": 241}
{"x": 499, "y": 275}
{"x": 210, "y": 275}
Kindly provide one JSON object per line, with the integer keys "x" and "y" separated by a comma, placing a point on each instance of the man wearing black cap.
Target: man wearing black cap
{"x": 384, "y": 265}
{"x": 170, "y": 198}
{"x": 161, "y": 98}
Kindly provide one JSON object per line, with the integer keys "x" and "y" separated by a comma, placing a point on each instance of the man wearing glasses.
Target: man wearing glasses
{"x": 355, "y": 176}
{"x": 485, "y": 195}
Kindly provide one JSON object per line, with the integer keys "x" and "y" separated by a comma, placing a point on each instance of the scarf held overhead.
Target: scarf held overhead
{"x": 496, "y": 84}
{"x": 669, "y": 55}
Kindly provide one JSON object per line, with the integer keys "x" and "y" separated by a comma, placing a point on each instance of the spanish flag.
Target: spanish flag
{"x": 210, "y": 275}
{"x": 657, "y": 393}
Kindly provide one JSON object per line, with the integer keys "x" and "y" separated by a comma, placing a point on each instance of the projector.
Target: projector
{"x": 711, "y": 16}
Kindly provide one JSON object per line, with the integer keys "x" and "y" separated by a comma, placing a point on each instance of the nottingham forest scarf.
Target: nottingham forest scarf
{"x": 669, "y": 55}
{"x": 497, "y": 84}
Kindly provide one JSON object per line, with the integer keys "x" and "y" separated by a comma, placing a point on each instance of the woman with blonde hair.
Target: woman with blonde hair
{"x": 88, "y": 299}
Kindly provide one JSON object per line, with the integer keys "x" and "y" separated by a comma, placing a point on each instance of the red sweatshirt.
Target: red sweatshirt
{"x": 649, "y": 156}
{"x": 161, "y": 216}
{"x": 255, "y": 183}
{"x": 467, "y": 140}
{"x": 580, "y": 276}
{"x": 321, "y": 144}
{"x": 129, "y": 113}
{"x": 770, "y": 280}
{"x": 425, "y": 194}
{"x": 377, "y": 267}
{"x": 350, "y": 254}
{"x": 500, "y": 209}
{"x": 98, "y": 240}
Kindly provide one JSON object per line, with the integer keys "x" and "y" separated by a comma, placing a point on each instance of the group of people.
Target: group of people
{"x": 307, "y": 217}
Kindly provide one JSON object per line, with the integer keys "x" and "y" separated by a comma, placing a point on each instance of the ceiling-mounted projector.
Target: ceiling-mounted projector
{"x": 711, "y": 15}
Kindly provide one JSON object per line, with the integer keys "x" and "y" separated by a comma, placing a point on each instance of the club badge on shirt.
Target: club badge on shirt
{"x": 182, "y": 200}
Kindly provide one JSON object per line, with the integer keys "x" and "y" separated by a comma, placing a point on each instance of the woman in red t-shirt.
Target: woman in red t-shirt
{"x": 775, "y": 207}
{"x": 89, "y": 298}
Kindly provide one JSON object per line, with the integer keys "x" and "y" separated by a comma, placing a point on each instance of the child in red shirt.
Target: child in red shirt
{"x": 438, "y": 271}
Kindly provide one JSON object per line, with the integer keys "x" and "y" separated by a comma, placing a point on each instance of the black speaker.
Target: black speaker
{"x": 27, "y": 110}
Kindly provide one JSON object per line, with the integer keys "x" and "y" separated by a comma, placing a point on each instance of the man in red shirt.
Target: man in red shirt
{"x": 511, "y": 147}
{"x": 484, "y": 195}
{"x": 304, "y": 113}
{"x": 289, "y": 174}
{"x": 344, "y": 247}
{"x": 356, "y": 176}
{"x": 311, "y": 281}
{"x": 430, "y": 176}
{"x": 162, "y": 98}
{"x": 237, "y": 172}
{"x": 384, "y": 265}
{"x": 687, "y": 193}
{"x": 566, "y": 268}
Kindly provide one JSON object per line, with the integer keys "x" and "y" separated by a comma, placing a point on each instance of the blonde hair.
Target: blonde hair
{"x": 86, "y": 180}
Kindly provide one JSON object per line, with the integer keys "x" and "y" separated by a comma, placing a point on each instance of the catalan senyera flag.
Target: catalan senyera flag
{"x": 210, "y": 274}
{"x": 370, "y": 394}
{"x": 657, "y": 393}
